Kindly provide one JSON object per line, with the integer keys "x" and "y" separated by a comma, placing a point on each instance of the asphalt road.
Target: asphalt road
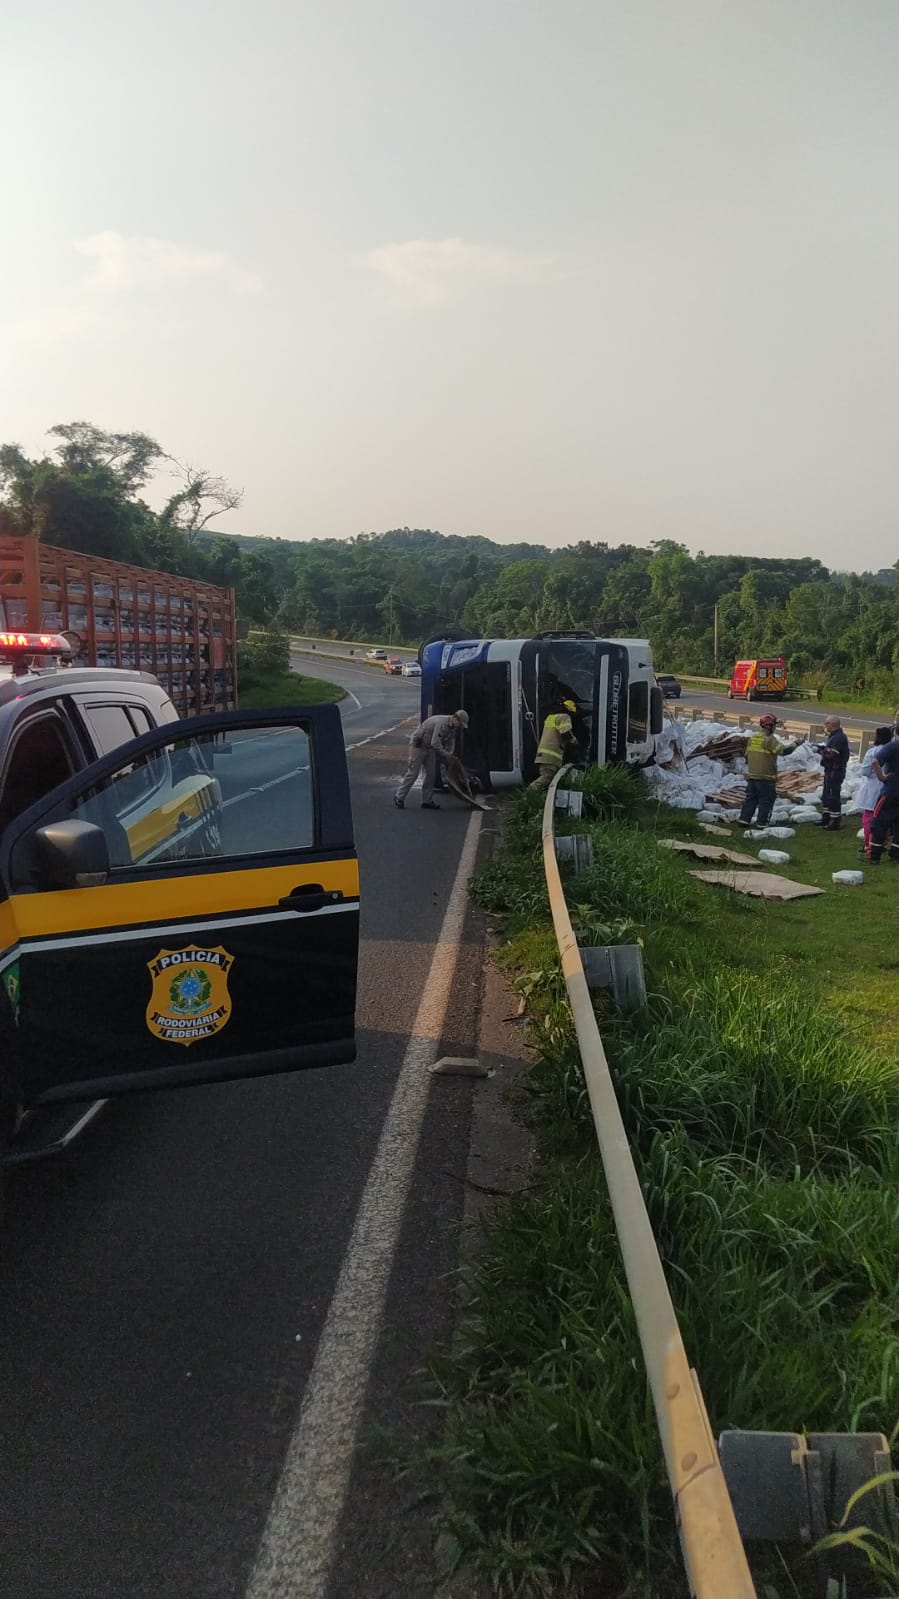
{"x": 167, "y": 1284}
{"x": 801, "y": 711}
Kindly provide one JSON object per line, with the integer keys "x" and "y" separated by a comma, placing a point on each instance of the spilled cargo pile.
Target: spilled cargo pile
{"x": 700, "y": 766}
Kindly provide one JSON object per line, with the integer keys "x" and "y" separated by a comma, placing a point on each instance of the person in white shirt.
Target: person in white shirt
{"x": 872, "y": 788}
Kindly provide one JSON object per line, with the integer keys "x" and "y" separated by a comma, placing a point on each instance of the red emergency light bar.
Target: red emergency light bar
{"x": 36, "y": 643}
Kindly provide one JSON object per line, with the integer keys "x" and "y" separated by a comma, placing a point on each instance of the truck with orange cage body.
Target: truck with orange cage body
{"x": 761, "y": 679}
{"x": 115, "y": 615}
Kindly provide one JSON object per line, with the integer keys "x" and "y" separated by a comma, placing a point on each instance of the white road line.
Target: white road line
{"x": 371, "y": 738}
{"x": 296, "y": 1550}
{"x": 351, "y": 695}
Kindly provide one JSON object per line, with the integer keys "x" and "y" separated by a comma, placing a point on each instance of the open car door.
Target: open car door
{"x": 183, "y": 911}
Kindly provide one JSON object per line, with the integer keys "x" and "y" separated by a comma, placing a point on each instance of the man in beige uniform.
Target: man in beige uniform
{"x": 433, "y": 741}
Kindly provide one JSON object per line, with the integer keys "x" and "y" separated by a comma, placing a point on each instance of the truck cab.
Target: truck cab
{"x": 509, "y": 686}
{"x": 179, "y": 900}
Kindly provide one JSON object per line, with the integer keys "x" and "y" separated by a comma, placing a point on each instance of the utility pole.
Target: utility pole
{"x": 716, "y": 640}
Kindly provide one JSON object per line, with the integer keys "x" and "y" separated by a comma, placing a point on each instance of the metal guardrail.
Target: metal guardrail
{"x": 801, "y": 722}
{"x": 713, "y": 1552}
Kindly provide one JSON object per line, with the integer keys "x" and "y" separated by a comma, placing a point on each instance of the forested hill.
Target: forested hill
{"x": 402, "y": 585}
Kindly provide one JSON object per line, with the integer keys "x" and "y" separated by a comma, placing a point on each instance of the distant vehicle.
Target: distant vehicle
{"x": 411, "y": 669}
{"x": 670, "y": 685}
{"x": 393, "y": 666}
{"x": 764, "y": 679}
{"x": 376, "y": 655}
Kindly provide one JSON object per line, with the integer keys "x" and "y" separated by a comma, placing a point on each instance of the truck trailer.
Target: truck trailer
{"x": 116, "y": 615}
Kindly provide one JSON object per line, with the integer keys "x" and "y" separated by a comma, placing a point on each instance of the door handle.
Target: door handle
{"x": 310, "y": 897}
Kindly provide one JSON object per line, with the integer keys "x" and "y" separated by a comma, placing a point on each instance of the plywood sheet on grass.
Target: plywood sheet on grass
{"x": 762, "y": 885}
{"x": 710, "y": 852}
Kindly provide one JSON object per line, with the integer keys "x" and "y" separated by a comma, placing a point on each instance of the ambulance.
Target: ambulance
{"x": 763, "y": 679}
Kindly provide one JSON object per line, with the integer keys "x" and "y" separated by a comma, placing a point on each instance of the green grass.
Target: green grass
{"x": 286, "y": 688}
{"x": 758, "y": 1093}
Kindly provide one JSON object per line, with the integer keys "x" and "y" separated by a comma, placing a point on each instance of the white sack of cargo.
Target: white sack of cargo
{"x": 774, "y": 857}
{"x": 770, "y": 832}
{"x": 804, "y": 813}
{"x": 669, "y": 746}
{"x": 848, "y": 879}
{"x": 678, "y": 788}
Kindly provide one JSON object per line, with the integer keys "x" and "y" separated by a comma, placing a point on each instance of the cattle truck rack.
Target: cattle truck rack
{"x": 117, "y": 615}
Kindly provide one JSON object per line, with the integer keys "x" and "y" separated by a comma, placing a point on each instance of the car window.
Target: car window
{"x": 110, "y": 726}
{"x": 141, "y": 719}
{"x": 245, "y": 795}
{"x": 40, "y": 759}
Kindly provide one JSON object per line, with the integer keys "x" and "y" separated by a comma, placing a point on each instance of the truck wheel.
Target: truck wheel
{"x": 730, "y": 693}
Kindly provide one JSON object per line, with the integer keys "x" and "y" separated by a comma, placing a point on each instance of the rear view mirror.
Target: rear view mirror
{"x": 71, "y": 855}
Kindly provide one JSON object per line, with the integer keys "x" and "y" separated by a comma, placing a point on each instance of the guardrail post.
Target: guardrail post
{"x": 570, "y": 800}
{"x": 576, "y": 848}
{"x": 616, "y": 966}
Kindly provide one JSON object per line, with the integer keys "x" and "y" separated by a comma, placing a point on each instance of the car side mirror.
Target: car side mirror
{"x": 71, "y": 855}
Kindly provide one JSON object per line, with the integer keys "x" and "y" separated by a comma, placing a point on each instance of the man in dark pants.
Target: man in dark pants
{"x": 885, "y": 821}
{"x": 834, "y": 758}
{"x": 761, "y": 771}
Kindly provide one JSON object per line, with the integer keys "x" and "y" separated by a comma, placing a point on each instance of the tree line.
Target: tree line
{"x": 405, "y": 584}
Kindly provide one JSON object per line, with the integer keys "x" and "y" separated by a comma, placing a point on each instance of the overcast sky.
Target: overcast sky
{"x": 546, "y": 271}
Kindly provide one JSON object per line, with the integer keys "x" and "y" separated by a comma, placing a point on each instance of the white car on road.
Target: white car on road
{"x": 411, "y": 669}
{"x": 376, "y": 655}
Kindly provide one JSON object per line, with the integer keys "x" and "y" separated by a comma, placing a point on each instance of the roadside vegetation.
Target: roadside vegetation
{"x": 85, "y": 492}
{"x": 758, "y": 1091}
{"x": 265, "y": 681}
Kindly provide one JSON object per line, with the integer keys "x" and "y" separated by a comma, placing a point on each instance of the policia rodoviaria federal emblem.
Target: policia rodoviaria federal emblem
{"x": 190, "y": 998}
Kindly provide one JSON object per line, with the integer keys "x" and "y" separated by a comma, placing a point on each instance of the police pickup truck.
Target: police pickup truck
{"x": 179, "y": 900}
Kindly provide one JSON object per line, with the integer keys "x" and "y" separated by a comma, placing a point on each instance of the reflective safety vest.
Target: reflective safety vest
{"x": 556, "y": 730}
{"x": 761, "y": 757}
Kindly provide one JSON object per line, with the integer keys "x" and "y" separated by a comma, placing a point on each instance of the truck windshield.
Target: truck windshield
{"x": 568, "y": 672}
